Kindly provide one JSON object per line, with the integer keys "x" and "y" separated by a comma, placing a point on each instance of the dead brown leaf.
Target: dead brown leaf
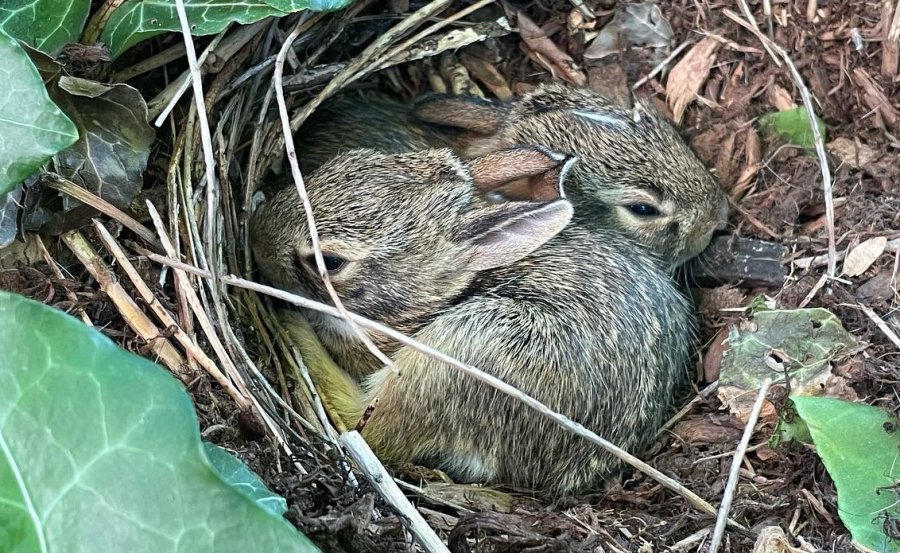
{"x": 485, "y": 72}
{"x": 712, "y": 361}
{"x": 709, "y": 429}
{"x": 689, "y": 75}
{"x": 861, "y": 156}
{"x": 879, "y": 287}
{"x": 862, "y": 256}
{"x": 780, "y": 98}
{"x": 633, "y": 26}
{"x": 545, "y": 52}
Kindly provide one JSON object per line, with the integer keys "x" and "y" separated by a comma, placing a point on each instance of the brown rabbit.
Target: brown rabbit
{"x": 634, "y": 172}
{"x": 575, "y": 319}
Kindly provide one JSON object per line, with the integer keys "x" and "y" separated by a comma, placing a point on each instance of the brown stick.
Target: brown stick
{"x": 134, "y": 317}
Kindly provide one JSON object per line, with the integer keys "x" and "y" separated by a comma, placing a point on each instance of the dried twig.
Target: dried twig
{"x": 95, "y": 25}
{"x": 777, "y": 51}
{"x": 890, "y": 38}
{"x": 145, "y": 65}
{"x": 57, "y": 272}
{"x": 194, "y": 302}
{"x": 661, "y": 65}
{"x": 374, "y": 49}
{"x": 703, "y": 395}
{"x": 406, "y": 44}
{"x": 160, "y": 106}
{"x": 375, "y": 473}
{"x": 882, "y": 326}
{"x": 733, "y": 475}
{"x": 84, "y": 195}
{"x": 134, "y": 317}
{"x": 164, "y": 316}
{"x": 205, "y": 139}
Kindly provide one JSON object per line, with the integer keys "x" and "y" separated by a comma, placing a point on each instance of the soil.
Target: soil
{"x": 778, "y": 196}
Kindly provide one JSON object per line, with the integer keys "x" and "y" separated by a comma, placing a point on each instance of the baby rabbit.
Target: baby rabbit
{"x": 576, "y": 319}
{"x": 634, "y": 172}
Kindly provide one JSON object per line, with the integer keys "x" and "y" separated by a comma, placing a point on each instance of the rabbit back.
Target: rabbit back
{"x": 582, "y": 326}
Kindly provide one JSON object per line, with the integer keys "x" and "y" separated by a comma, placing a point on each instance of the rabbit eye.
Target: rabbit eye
{"x": 333, "y": 262}
{"x": 643, "y": 210}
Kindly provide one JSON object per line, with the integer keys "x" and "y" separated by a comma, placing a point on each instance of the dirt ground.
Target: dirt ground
{"x": 837, "y": 48}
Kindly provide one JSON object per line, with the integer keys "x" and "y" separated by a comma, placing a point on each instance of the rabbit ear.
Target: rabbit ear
{"x": 503, "y": 234}
{"x": 464, "y": 113}
{"x": 529, "y": 173}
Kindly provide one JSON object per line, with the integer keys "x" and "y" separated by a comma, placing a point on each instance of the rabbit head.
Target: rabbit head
{"x": 403, "y": 235}
{"x": 634, "y": 172}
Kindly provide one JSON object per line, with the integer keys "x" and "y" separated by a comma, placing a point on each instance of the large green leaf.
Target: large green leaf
{"x": 32, "y": 128}
{"x": 860, "y": 446}
{"x": 138, "y": 20}
{"x": 100, "y": 451}
{"x": 44, "y": 24}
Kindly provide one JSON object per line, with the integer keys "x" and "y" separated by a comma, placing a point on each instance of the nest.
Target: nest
{"x": 251, "y": 388}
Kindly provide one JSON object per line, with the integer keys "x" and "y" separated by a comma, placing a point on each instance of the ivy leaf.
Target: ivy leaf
{"x": 47, "y": 25}
{"x": 138, "y": 20}
{"x": 9, "y": 208}
{"x": 236, "y": 473}
{"x": 860, "y": 446}
{"x": 291, "y": 6}
{"x": 802, "y": 342}
{"x": 111, "y": 155}
{"x": 100, "y": 451}
{"x": 32, "y": 128}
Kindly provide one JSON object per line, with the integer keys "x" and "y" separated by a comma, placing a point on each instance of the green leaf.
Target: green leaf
{"x": 804, "y": 341}
{"x": 291, "y": 6}
{"x": 9, "y": 208}
{"x": 100, "y": 451}
{"x": 32, "y": 128}
{"x": 138, "y": 20}
{"x": 860, "y": 447}
{"x": 236, "y": 473}
{"x": 110, "y": 157}
{"x": 47, "y": 25}
{"x": 792, "y": 125}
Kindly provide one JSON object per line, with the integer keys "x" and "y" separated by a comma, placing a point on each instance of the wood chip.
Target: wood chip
{"x": 772, "y": 539}
{"x": 689, "y": 75}
{"x": 780, "y": 98}
{"x": 862, "y": 256}
{"x": 890, "y": 49}
{"x": 875, "y": 98}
